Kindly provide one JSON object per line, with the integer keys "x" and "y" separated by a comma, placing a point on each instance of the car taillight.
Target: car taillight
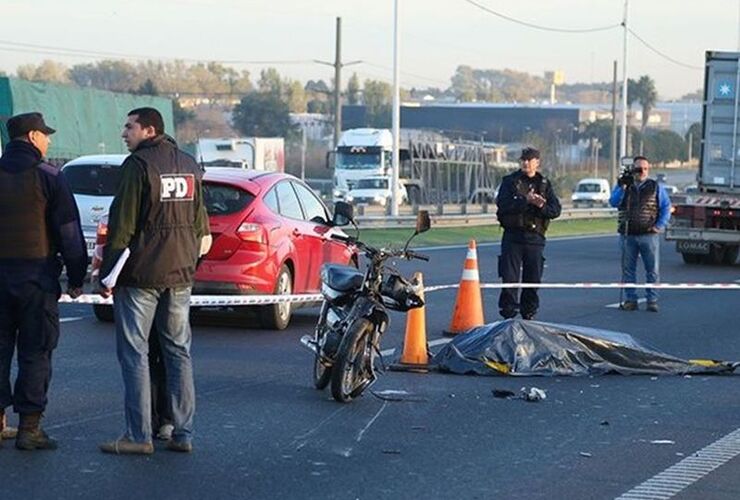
{"x": 249, "y": 231}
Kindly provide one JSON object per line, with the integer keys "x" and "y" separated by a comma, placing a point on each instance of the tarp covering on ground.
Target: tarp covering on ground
{"x": 519, "y": 347}
{"x": 87, "y": 120}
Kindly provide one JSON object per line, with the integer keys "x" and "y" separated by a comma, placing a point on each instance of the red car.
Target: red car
{"x": 270, "y": 236}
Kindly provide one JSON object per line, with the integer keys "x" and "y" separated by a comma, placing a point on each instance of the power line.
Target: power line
{"x": 414, "y": 75}
{"x": 46, "y": 49}
{"x": 539, "y": 26}
{"x": 663, "y": 54}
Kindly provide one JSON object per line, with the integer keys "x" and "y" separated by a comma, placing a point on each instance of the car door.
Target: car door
{"x": 316, "y": 218}
{"x": 300, "y": 234}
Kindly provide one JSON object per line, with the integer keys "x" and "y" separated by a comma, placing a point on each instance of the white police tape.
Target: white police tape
{"x": 250, "y": 300}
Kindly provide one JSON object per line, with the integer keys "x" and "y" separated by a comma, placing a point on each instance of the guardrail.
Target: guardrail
{"x": 462, "y": 215}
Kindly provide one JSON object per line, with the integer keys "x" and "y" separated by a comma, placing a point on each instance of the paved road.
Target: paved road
{"x": 263, "y": 432}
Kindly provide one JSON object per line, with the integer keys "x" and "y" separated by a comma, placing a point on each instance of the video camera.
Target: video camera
{"x": 628, "y": 171}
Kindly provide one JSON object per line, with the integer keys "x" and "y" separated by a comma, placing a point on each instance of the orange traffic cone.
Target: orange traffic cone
{"x": 468, "y": 312}
{"x": 415, "y": 355}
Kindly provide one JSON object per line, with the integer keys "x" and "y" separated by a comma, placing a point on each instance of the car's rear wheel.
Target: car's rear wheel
{"x": 277, "y": 316}
{"x": 103, "y": 312}
{"x": 691, "y": 258}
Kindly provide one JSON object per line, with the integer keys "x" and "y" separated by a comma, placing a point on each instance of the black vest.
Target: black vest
{"x": 23, "y": 229}
{"x": 164, "y": 251}
{"x": 528, "y": 220}
{"x": 638, "y": 210}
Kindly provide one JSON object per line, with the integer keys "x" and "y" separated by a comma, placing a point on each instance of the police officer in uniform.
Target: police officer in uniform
{"x": 157, "y": 228}
{"x": 526, "y": 204}
{"x": 39, "y": 222}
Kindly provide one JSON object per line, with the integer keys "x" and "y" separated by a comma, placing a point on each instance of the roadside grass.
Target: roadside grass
{"x": 437, "y": 236}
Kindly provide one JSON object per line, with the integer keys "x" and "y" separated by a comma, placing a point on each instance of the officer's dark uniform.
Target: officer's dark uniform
{"x": 39, "y": 221}
{"x": 523, "y": 242}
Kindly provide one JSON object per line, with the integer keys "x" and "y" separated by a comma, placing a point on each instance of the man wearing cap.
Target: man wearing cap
{"x": 39, "y": 230}
{"x": 526, "y": 203}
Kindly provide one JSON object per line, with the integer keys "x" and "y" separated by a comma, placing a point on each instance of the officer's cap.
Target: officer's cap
{"x": 529, "y": 154}
{"x": 20, "y": 125}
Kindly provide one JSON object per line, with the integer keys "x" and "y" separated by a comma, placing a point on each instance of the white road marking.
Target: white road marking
{"x": 616, "y": 304}
{"x": 67, "y": 320}
{"x": 683, "y": 474}
{"x": 371, "y": 422}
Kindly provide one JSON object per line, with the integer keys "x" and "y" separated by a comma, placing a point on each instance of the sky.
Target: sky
{"x": 436, "y": 36}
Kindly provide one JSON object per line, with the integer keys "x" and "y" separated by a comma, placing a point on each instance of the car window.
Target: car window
{"x": 97, "y": 180}
{"x": 589, "y": 188}
{"x": 312, "y": 206}
{"x": 271, "y": 201}
{"x": 289, "y": 205}
{"x": 223, "y": 200}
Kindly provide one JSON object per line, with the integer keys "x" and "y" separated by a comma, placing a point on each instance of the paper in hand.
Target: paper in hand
{"x": 110, "y": 280}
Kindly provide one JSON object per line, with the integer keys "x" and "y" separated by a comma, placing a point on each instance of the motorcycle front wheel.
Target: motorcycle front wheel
{"x": 352, "y": 371}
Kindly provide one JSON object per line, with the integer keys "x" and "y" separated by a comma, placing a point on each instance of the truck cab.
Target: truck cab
{"x": 360, "y": 153}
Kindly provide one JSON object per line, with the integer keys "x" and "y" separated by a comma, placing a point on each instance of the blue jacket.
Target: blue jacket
{"x": 63, "y": 221}
{"x": 664, "y": 204}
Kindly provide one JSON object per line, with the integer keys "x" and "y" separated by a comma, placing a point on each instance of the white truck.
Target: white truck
{"x": 360, "y": 153}
{"x": 258, "y": 153}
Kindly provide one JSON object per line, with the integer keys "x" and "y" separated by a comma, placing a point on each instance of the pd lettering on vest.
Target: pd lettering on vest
{"x": 177, "y": 187}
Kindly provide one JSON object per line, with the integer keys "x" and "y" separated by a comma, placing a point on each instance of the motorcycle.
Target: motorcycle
{"x": 353, "y": 317}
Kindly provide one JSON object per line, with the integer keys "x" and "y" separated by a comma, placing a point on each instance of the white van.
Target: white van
{"x": 591, "y": 193}
{"x": 374, "y": 190}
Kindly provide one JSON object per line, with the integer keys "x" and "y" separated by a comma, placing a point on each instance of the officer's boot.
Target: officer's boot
{"x": 31, "y": 436}
{"x": 6, "y": 432}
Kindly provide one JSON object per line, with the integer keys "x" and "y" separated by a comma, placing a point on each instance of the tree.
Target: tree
{"x": 663, "y": 146}
{"x": 378, "y": 96}
{"x": 643, "y": 91}
{"x": 117, "y": 76}
{"x": 270, "y": 81}
{"x": 47, "y": 71}
{"x": 353, "y": 90}
{"x": 694, "y": 135}
{"x": 295, "y": 96}
{"x": 263, "y": 114}
{"x": 181, "y": 115}
{"x": 463, "y": 84}
{"x": 147, "y": 88}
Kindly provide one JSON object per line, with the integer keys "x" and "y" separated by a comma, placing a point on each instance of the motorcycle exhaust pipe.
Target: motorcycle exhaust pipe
{"x": 308, "y": 342}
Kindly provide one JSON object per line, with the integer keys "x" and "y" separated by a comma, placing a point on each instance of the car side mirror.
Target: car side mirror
{"x": 343, "y": 214}
{"x": 423, "y": 223}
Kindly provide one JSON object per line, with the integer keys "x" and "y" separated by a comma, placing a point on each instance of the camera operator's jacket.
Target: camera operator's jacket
{"x": 158, "y": 214}
{"x": 522, "y": 221}
{"x": 641, "y": 207}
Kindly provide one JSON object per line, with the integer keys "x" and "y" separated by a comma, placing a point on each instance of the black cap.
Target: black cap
{"x": 20, "y": 125}
{"x": 529, "y": 153}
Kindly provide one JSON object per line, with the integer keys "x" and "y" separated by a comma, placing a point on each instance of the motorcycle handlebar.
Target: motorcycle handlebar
{"x": 409, "y": 254}
{"x": 414, "y": 255}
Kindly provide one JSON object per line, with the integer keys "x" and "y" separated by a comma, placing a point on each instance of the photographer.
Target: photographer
{"x": 644, "y": 209}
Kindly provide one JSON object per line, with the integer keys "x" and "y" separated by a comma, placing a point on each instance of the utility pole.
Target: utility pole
{"x": 623, "y": 137}
{"x": 338, "y": 83}
{"x": 303, "y": 153}
{"x": 337, "y": 65}
{"x": 613, "y": 152}
{"x": 396, "y": 113}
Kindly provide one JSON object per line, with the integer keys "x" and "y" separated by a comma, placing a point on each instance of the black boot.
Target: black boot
{"x": 31, "y": 436}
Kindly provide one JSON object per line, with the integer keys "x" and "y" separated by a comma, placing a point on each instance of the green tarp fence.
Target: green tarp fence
{"x": 88, "y": 121}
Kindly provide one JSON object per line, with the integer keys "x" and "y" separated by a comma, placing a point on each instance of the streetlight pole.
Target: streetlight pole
{"x": 396, "y": 113}
{"x": 623, "y": 137}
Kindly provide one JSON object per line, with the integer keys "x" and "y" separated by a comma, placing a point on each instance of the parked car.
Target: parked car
{"x": 271, "y": 235}
{"x": 93, "y": 180}
{"x": 591, "y": 192}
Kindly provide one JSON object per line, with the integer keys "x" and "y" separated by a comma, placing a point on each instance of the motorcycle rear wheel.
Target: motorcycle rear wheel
{"x": 350, "y": 375}
{"x": 321, "y": 372}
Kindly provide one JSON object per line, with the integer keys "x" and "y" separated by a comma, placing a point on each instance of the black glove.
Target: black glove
{"x": 626, "y": 180}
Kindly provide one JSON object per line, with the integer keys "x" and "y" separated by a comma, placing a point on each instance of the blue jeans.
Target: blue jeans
{"x": 646, "y": 246}
{"x": 135, "y": 309}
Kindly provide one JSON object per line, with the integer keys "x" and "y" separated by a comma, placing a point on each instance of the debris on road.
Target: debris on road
{"x": 604, "y": 422}
{"x": 532, "y": 395}
{"x": 585, "y": 454}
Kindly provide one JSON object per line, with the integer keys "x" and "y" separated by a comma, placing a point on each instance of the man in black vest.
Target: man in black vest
{"x": 526, "y": 203}
{"x": 644, "y": 211}
{"x": 157, "y": 223}
{"x": 39, "y": 221}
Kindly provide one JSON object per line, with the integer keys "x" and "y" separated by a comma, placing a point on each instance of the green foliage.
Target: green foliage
{"x": 493, "y": 85}
{"x": 378, "y": 97}
{"x": 181, "y": 115}
{"x": 353, "y": 89}
{"x": 263, "y": 114}
{"x": 694, "y": 134}
{"x": 662, "y": 146}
